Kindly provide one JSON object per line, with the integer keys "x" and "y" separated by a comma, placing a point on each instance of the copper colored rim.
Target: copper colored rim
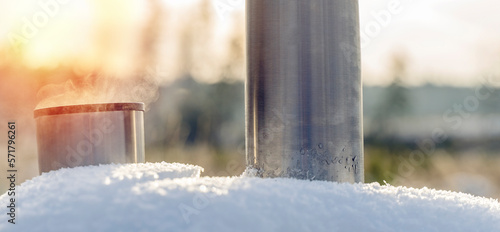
{"x": 89, "y": 108}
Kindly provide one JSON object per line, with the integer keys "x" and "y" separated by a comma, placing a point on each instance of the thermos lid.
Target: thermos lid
{"x": 88, "y": 108}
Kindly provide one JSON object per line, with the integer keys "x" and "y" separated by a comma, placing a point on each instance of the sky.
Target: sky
{"x": 447, "y": 42}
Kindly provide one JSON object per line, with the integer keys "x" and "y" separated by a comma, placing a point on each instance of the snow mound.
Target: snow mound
{"x": 173, "y": 197}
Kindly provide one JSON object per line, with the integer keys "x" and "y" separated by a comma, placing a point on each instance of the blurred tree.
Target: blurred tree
{"x": 394, "y": 106}
{"x": 205, "y": 107}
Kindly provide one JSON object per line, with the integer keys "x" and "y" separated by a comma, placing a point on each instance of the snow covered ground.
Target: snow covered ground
{"x": 173, "y": 197}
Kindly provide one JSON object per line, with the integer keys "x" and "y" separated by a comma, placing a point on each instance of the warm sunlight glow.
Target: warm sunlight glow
{"x": 444, "y": 43}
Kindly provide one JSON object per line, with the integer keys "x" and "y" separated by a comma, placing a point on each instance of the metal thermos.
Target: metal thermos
{"x": 81, "y": 135}
{"x": 303, "y": 90}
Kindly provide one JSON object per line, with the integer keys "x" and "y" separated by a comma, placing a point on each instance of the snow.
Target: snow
{"x": 173, "y": 197}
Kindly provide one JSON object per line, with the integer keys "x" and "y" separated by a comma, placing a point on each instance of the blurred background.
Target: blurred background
{"x": 431, "y": 82}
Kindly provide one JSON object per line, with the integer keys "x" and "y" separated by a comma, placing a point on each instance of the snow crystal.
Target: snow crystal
{"x": 173, "y": 197}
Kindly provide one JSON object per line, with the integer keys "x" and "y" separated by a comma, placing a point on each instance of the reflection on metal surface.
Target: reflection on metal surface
{"x": 303, "y": 90}
{"x": 71, "y": 136}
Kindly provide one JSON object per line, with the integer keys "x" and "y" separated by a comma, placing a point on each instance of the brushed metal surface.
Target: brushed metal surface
{"x": 89, "y": 138}
{"x": 303, "y": 89}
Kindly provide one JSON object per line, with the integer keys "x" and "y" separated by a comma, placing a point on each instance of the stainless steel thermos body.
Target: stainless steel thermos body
{"x": 303, "y": 89}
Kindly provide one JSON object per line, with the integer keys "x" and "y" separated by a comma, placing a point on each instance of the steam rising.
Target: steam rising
{"x": 94, "y": 89}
